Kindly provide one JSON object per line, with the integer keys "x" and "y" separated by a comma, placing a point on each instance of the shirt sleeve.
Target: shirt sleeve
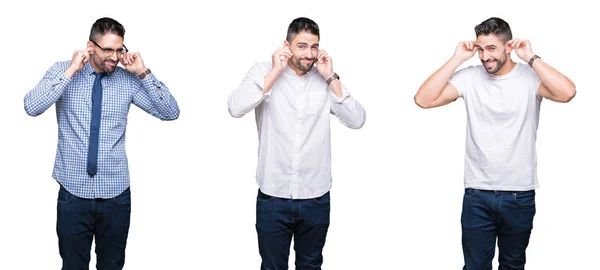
{"x": 154, "y": 97}
{"x": 48, "y": 90}
{"x": 459, "y": 79}
{"x": 249, "y": 94}
{"x": 347, "y": 109}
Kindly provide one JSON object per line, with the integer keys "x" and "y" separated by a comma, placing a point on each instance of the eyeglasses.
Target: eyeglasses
{"x": 109, "y": 51}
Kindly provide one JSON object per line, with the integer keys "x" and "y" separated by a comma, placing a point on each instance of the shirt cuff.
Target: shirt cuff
{"x": 61, "y": 80}
{"x": 150, "y": 82}
{"x": 345, "y": 94}
{"x": 261, "y": 84}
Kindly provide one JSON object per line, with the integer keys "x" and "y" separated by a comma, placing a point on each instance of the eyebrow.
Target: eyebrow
{"x": 487, "y": 46}
{"x": 304, "y": 43}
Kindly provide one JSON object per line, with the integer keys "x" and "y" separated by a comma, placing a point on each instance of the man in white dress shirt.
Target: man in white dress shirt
{"x": 293, "y": 96}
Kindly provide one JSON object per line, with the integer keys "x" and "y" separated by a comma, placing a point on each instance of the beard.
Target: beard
{"x": 103, "y": 64}
{"x": 493, "y": 69}
{"x": 305, "y": 68}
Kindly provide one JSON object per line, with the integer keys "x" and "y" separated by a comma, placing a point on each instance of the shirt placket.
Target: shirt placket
{"x": 300, "y": 108}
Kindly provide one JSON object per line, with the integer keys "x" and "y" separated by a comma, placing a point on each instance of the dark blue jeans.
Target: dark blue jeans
{"x": 80, "y": 220}
{"x": 503, "y": 215}
{"x": 277, "y": 220}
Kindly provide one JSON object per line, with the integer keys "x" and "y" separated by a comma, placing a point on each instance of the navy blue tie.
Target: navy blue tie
{"x": 92, "y": 158}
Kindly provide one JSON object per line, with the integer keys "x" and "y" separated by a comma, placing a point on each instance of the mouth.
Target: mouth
{"x": 489, "y": 64}
{"x": 110, "y": 63}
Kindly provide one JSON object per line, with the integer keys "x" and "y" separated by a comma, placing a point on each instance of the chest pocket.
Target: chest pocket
{"x": 116, "y": 99}
{"x": 318, "y": 102}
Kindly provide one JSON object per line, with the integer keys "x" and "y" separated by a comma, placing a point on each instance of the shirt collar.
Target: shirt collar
{"x": 89, "y": 70}
{"x": 288, "y": 70}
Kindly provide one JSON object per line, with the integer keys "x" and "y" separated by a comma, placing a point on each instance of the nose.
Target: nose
{"x": 485, "y": 55}
{"x": 114, "y": 57}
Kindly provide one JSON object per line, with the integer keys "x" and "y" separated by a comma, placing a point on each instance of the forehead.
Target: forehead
{"x": 305, "y": 37}
{"x": 110, "y": 39}
{"x": 488, "y": 40}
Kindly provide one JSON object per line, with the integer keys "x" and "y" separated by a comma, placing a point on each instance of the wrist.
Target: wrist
{"x": 528, "y": 56}
{"x": 145, "y": 72}
{"x": 457, "y": 60}
{"x": 328, "y": 75}
{"x": 70, "y": 72}
{"x": 532, "y": 59}
{"x": 331, "y": 78}
{"x": 274, "y": 73}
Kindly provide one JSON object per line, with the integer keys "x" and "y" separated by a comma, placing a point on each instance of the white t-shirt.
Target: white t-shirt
{"x": 502, "y": 121}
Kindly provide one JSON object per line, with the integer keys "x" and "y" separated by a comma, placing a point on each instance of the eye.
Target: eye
{"x": 301, "y": 46}
{"x": 492, "y": 49}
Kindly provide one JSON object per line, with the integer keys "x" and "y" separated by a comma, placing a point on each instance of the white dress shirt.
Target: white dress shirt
{"x": 294, "y": 153}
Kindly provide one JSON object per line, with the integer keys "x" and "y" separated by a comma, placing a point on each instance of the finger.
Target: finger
{"x": 324, "y": 58}
{"x": 130, "y": 59}
{"x": 127, "y": 58}
{"x": 321, "y": 56}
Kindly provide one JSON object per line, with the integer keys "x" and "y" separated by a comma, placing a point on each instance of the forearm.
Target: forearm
{"x": 269, "y": 81}
{"x": 433, "y": 87}
{"x": 346, "y": 108}
{"x": 557, "y": 84}
{"x": 336, "y": 88}
{"x": 160, "y": 98}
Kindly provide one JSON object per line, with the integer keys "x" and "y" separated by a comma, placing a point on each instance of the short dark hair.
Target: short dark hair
{"x": 496, "y": 26}
{"x": 106, "y": 25}
{"x": 302, "y": 24}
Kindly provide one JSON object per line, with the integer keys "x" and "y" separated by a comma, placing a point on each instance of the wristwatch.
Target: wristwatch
{"x": 144, "y": 74}
{"x": 333, "y": 77}
{"x": 533, "y": 59}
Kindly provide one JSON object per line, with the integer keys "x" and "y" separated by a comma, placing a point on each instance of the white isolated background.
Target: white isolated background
{"x": 397, "y": 191}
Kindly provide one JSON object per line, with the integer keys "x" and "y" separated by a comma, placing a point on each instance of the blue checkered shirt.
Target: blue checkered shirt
{"x": 73, "y": 98}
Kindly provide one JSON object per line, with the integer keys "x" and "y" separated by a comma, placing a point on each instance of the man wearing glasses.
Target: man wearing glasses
{"x": 92, "y": 97}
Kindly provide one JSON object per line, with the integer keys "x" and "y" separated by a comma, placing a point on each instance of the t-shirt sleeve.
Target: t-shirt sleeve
{"x": 459, "y": 80}
{"x": 536, "y": 83}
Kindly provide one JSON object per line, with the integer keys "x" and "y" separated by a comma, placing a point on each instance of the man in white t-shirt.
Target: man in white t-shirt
{"x": 503, "y": 100}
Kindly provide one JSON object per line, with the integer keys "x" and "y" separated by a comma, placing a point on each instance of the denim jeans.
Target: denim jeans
{"x": 80, "y": 220}
{"x": 503, "y": 215}
{"x": 278, "y": 220}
